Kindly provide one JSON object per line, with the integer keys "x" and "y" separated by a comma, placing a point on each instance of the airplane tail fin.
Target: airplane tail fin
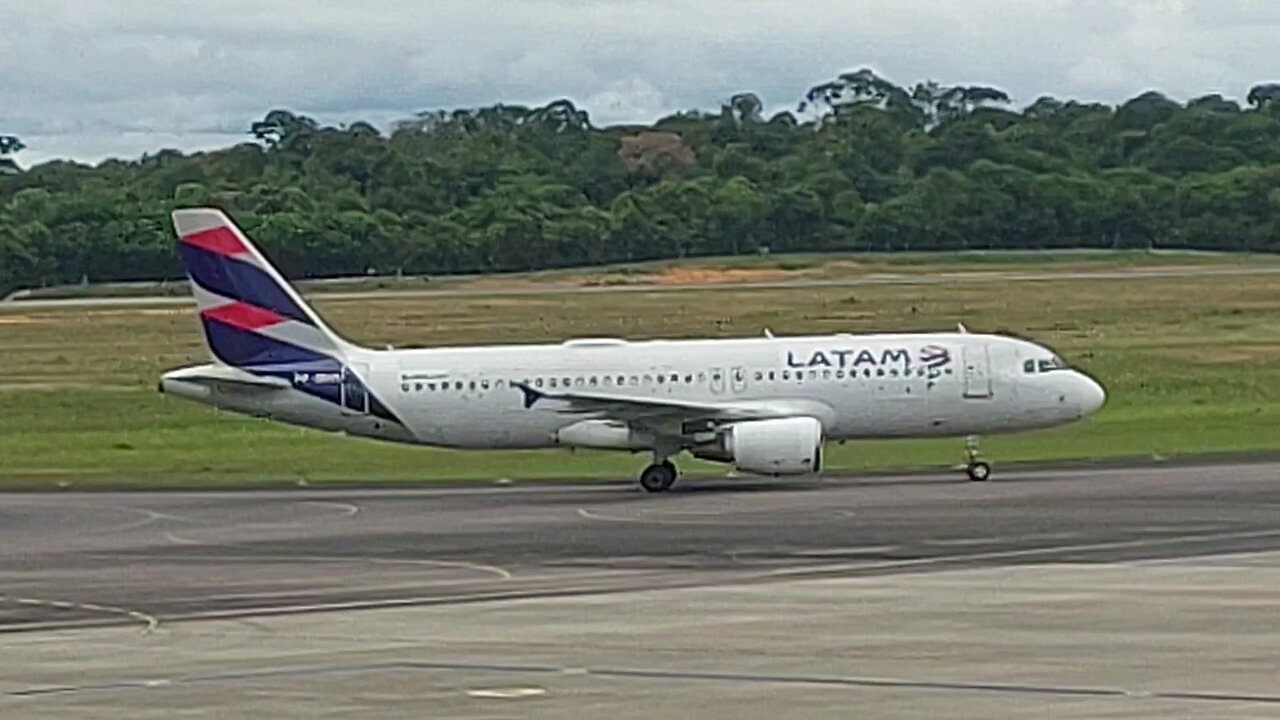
{"x": 251, "y": 316}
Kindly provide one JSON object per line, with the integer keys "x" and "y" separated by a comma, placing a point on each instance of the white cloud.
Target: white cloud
{"x": 91, "y": 79}
{"x": 626, "y": 100}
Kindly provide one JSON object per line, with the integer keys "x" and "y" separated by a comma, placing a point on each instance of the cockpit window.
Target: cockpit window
{"x": 1043, "y": 365}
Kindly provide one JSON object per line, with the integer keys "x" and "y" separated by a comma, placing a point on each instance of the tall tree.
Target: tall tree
{"x": 9, "y": 145}
{"x": 1265, "y": 95}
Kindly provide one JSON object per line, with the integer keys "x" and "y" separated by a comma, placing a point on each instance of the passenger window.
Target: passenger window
{"x": 416, "y": 386}
{"x": 759, "y": 376}
{"x": 894, "y": 373}
{"x": 786, "y": 374}
{"x": 813, "y": 374}
{"x": 772, "y": 376}
{"x": 537, "y": 383}
{"x": 484, "y": 384}
{"x": 702, "y": 377}
{"x": 675, "y": 377}
{"x": 457, "y": 385}
{"x": 551, "y": 382}
{"x": 839, "y": 374}
{"x": 577, "y": 382}
{"x": 472, "y": 386}
{"x": 497, "y": 384}
{"x": 879, "y": 372}
{"x": 662, "y": 379}
{"x": 635, "y": 380}
{"x": 688, "y": 379}
{"x": 826, "y": 374}
{"x": 592, "y": 381}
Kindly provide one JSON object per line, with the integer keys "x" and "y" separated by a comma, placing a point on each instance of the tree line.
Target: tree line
{"x": 861, "y": 164}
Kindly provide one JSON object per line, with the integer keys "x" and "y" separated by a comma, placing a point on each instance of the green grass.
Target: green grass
{"x": 809, "y": 265}
{"x": 1192, "y": 366}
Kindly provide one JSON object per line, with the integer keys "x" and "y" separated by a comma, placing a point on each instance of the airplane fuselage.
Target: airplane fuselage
{"x": 766, "y": 405}
{"x": 857, "y": 386}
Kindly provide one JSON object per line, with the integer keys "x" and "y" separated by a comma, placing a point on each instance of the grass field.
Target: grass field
{"x": 1192, "y": 365}
{"x": 744, "y": 268}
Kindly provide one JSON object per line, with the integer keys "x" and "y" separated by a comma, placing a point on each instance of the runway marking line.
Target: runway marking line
{"x": 150, "y": 621}
{"x": 691, "y": 517}
{"x": 1028, "y": 552}
{"x": 478, "y": 567}
{"x": 643, "y": 673}
{"x": 798, "y": 573}
{"x": 348, "y": 509}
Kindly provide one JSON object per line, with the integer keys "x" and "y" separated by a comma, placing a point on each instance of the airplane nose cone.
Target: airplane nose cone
{"x": 1092, "y": 396}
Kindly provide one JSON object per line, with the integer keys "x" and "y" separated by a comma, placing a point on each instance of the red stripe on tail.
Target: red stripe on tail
{"x": 244, "y": 316}
{"x": 219, "y": 239}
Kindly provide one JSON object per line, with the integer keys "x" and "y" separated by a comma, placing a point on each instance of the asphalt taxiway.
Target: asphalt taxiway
{"x": 1078, "y": 593}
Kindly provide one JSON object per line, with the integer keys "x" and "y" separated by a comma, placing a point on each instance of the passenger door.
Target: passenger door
{"x": 976, "y": 369}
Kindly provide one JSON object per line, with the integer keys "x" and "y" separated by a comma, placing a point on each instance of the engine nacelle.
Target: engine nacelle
{"x": 786, "y": 446}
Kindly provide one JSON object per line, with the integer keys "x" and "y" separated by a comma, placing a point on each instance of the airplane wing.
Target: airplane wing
{"x": 643, "y": 410}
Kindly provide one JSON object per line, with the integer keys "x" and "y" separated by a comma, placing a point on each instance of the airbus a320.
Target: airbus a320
{"x": 766, "y": 405}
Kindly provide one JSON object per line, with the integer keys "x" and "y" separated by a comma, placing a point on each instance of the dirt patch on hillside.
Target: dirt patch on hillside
{"x": 717, "y": 276}
{"x": 653, "y": 150}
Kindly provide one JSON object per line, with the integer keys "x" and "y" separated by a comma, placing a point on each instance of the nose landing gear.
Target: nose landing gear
{"x": 976, "y": 468}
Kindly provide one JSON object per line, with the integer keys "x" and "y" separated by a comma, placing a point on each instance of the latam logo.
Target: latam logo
{"x": 933, "y": 357}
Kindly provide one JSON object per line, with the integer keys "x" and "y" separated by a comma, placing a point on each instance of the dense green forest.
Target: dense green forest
{"x": 862, "y": 164}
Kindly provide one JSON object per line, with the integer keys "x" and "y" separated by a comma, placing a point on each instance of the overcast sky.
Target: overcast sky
{"x": 89, "y": 79}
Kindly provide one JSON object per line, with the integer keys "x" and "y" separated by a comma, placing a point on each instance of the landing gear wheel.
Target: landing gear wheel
{"x": 659, "y": 477}
{"x": 979, "y": 471}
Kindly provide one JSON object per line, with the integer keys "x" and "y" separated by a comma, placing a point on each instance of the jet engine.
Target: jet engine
{"x": 785, "y": 446}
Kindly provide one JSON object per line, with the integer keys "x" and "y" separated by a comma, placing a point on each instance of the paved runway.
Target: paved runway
{"x": 1095, "y": 592}
{"x": 170, "y": 556}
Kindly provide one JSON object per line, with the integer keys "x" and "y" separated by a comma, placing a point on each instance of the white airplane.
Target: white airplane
{"x": 766, "y": 405}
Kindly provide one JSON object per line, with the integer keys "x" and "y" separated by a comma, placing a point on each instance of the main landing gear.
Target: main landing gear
{"x": 659, "y": 477}
{"x": 976, "y": 468}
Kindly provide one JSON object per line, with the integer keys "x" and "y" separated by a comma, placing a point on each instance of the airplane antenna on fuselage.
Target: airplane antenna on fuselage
{"x": 962, "y": 329}
{"x": 768, "y": 333}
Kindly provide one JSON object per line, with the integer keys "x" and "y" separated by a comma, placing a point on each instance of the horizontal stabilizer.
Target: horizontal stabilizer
{"x": 209, "y": 375}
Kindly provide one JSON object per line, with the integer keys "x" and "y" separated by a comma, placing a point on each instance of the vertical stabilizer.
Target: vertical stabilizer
{"x": 251, "y": 316}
